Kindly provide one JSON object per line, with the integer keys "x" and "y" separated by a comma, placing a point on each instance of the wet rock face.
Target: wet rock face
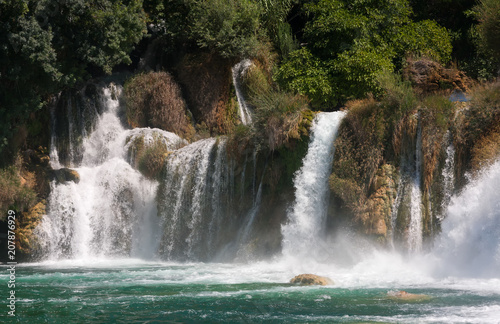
{"x": 428, "y": 76}
{"x": 310, "y": 280}
{"x": 64, "y": 175}
{"x": 376, "y": 212}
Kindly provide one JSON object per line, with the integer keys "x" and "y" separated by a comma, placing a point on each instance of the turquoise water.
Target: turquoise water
{"x": 135, "y": 291}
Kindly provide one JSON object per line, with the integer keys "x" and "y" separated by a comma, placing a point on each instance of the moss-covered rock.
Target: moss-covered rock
{"x": 486, "y": 150}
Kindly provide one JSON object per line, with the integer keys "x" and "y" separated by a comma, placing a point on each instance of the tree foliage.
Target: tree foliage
{"x": 354, "y": 41}
{"x": 227, "y": 27}
{"x": 50, "y": 44}
{"x": 489, "y": 27}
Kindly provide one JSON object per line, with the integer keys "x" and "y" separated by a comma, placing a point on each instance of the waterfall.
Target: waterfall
{"x": 308, "y": 215}
{"x": 448, "y": 173}
{"x": 239, "y": 71}
{"x": 54, "y": 156}
{"x": 395, "y": 208}
{"x": 111, "y": 211}
{"x": 194, "y": 200}
{"x": 415, "y": 228}
{"x": 469, "y": 244}
{"x": 246, "y": 229}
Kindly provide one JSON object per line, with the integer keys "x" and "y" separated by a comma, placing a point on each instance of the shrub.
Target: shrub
{"x": 439, "y": 109}
{"x": 475, "y": 133}
{"x": 305, "y": 74}
{"x": 397, "y": 95}
{"x": 151, "y": 159}
{"x": 155, "y": 100}
{"x": 256, "y": 81}
{"x": 484, "y": 110}
{"x": 16, "y": 192}
{"x": 424, "y": 38}
{"x": 279, "y": 115}
{"x": 228, "y": 27}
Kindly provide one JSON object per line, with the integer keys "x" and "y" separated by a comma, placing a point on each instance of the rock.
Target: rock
{"x": 64, "y": 175}
{"x": 377, "y": 209}
{"x": 406, "y": 296}
{"x": 311, "y": 279}
{"x": 428, "y": 76}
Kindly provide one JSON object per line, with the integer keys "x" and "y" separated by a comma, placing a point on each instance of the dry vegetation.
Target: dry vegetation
{"x": 155, "y": 100}
{"x": 205, "y": 80}
{"x": 477, "y": 128}
{"x": 16, "y": 187}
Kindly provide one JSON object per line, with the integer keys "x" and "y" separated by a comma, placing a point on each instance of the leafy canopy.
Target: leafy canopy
{"x": 47, "y": 45}
{"x": 350, "y": 42}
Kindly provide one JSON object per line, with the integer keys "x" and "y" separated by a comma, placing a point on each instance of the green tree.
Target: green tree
{"x": 227, "y": 27}
{"x": 489, "y": 25}
{"x": 47, "y": 45}
{"x": 354, "y": 41}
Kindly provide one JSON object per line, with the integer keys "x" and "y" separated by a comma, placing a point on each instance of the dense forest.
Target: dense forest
{"x": 384, "y": 61}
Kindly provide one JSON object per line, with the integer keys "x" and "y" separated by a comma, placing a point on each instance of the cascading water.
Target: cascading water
{"x": 448, "y": 173}
{"x": 415, "y": 228}
{"x": 238, "y": 72}
{"x": 406, "y": 215}
{"x": 395, "y": 209}
{"x": 111, "y": 211}
{"x": 245, "y": 230}
{"x": 195, "y": 200}
{"x": 307, "y": 217}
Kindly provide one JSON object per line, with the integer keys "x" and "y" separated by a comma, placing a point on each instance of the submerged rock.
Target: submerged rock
{"x": 406, "y": 296}
{"x": 311, "y": 279}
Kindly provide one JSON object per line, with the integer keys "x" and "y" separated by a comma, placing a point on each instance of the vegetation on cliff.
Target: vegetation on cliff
{"x": 155, "y": 100}
{"x": 387, "y": 62}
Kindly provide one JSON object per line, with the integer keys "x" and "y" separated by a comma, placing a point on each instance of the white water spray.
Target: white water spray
{"x": 470, "y": 241}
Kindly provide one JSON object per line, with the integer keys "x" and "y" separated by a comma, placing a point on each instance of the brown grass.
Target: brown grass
{"x": 206, "y": 81}
{"x": 16, "y": 187}
{"x": 486, "y": 150}
{"x": 474, "y": 125}
{"x": 155, "y": 100}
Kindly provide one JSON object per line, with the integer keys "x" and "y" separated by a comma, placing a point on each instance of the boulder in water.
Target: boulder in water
{"x": 311, "y": 279}
{"x": 406, "y": 296}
